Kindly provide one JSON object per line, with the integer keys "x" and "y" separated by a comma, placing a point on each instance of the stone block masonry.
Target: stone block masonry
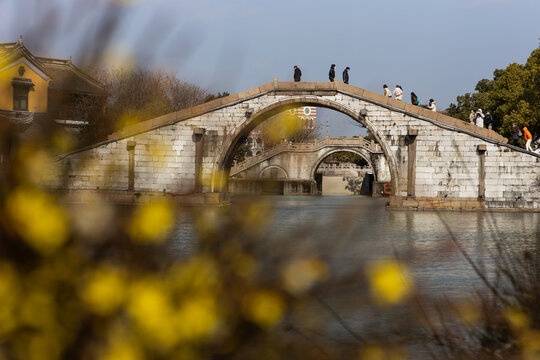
{"x": 190, "y": 150}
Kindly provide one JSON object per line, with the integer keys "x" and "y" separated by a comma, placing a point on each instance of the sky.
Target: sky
{"x": 438, "y": 49}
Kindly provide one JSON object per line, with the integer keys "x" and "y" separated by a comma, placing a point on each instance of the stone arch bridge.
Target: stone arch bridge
{"x": 297, "y": 163}
{"x": 434, "y": 160}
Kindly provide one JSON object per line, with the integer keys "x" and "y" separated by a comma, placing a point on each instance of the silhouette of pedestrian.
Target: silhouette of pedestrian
{"x": 346, "y": 75}
{"x": 297, "y": 73}
{"x": 332, "y": 72}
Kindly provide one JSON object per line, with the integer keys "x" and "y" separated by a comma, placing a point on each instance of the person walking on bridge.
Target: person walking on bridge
{"x": 479, "y": 118}
{"x": 332, "y": 73}
{"x": 528, "y": 137}
{"x": 414, "y": 99}
{"x": 387, "y": 91}
{"x": 346, "y": 75}
{"x": 488, "y": 120}
{"x": 516, "y": 134}
{"x": 297, "y": 73}
{"x": 472, "y": 115}
{"x": 398, "y": 92}
{"x": 431, "y": 106}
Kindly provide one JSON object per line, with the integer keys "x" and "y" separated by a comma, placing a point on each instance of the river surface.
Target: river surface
{"x": 349, "y": 232}
{"x": 360, "y": 229}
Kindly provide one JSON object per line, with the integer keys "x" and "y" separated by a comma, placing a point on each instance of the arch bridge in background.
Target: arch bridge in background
{"x": 433, "y": 160}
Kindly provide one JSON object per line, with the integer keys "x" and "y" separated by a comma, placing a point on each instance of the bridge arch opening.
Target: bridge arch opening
{"x": 240, "y": 135}
{"x": 344, "y": 172}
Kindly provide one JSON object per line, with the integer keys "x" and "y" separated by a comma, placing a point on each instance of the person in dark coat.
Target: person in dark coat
{"x": 346, "y": 75}
{"x": 414, "y": 99}
{"x": 332, "y": 73}
{"x": 297, "y": 73}
{"x": 488, "y": 120}
{"x": 516, "y": 134}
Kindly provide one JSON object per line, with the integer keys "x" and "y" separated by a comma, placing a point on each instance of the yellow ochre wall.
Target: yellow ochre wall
{"x": 37, "y": 96}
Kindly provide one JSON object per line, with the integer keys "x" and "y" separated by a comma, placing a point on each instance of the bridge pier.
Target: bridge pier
{"x": 411, "y": 162}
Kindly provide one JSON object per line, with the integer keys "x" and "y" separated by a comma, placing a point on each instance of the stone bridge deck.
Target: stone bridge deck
{"x": 370, "y": 146}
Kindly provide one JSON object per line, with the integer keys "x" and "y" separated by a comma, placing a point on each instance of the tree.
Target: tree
{"x": 513, "y": 96}
{"x": 138, "y": 94}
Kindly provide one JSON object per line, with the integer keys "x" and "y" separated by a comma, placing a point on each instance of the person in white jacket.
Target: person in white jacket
{"x": 479, "y": 118}
{"x": 398, "y": 92}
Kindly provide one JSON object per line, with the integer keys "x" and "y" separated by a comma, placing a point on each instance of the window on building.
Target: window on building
{"x": 20, "y": 98}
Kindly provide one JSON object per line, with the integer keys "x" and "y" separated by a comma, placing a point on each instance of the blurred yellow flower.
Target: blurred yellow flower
{"x": 390, "y": 283}
{"x": 517, "y": 318}
{"x": 151, "y": 309}
{"x": 152, "y": 222}
{"x": 38, "y": 310}
{"x": 283, "y": 126}
{"x": 38, "y": 346}
{"x": 9, "y": 298}
{"x": 197, "y": 318}
{"x": 244, "y": 265}
{"x": 199, "y": 274}
{"x": 530, "y": 344}
{"x": 300, "y": 275}
{"x": 35, "y": 165}
{"x": 264, "y": 307}
{"x": 257, "y": 216}
{"x": 378, "y": 352}
{"x": 38, "y": 219}
{"x": 214, "y": 179}
{"x": 63, "y": 141}
{"x": 104, "y": 291}
{"x": 123, "y": 350}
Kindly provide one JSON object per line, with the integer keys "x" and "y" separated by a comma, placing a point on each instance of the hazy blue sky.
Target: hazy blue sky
{"x": 438, "y": 49}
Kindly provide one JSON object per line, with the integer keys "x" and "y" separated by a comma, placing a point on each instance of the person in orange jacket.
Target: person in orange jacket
{"x": 527, "y": 136}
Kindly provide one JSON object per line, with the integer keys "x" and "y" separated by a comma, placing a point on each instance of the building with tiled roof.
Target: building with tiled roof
{"x": 34, "y": 88}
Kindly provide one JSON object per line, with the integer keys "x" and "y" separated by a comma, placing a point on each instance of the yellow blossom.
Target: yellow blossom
{"x": 378, "y": 352}
{"x": 38, "y": 310}
{"x": 390, "y": 283}
{"x": 197, "y": 275}
{"x": 197, "y": 318}
{"x": 9, "y": 286}
{"x": 104, "y": 290}
{"x": 151, "y": 309}
{"x": 123, "y": 350}
{"x": 517, "y": 318}
{"x": 37, "y": 162}
{"x": 264, "y": 307}
{"x": 152, "y": 222}
{"x": 38, "y": 219}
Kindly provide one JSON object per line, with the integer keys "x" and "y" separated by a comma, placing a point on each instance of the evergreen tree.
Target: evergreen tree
{"x": 513, "y": 96}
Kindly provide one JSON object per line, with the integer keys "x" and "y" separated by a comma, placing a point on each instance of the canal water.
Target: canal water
{"x": 349, "y": 232}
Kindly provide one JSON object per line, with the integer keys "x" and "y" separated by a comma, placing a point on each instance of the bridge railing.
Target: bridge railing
{"x": 314, "y": 146}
